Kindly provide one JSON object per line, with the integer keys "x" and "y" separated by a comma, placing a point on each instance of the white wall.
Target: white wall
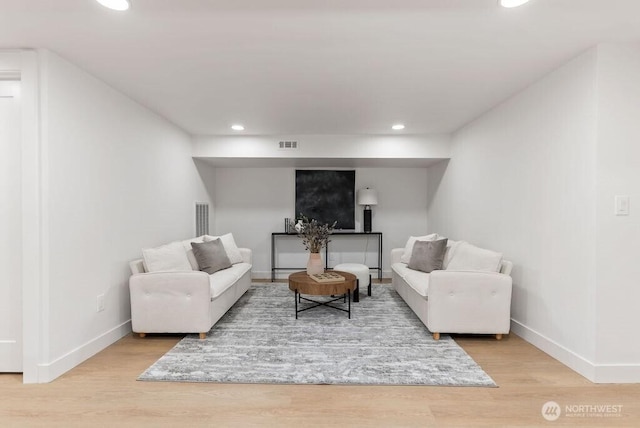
{"x": 10, "y": 228}
{"x": 521, "y": 180}
{"x": 253, "y": 202}
{"x": 115, "y": 178}
{"x": 618, "y": 238}
{"x": 536, "y": 178}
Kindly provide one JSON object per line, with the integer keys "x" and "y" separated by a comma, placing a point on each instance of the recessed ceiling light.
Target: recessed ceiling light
{"x": 397, "y": 127}
{"x": 512, "y": 3}
{"x": 237, "y": 127}
{"x": 116, "y": 4}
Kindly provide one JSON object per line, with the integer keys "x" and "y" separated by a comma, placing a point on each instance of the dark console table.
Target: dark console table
{"x": 338, "y": 234}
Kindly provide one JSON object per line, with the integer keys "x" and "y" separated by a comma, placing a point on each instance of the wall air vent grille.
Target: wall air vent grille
{"x": 288, "y": 145}
{"x": 202, "y": 218}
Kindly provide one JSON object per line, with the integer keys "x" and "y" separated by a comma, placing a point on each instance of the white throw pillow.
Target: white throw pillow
{"x": 470, "y": 257}
{"x": 169, "y": 257}
{"x": 408, "y": 248}
{"x": 230, "y": 247}
{"x": 452, "y": 246}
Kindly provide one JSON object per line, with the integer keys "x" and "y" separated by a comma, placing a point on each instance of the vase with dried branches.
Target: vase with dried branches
{"x": 315, "y": 236}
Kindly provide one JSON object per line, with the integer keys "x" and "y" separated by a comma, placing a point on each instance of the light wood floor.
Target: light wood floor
{"x": 103, "y": 392}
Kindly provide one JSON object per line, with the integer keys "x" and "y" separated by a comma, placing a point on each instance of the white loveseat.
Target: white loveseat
{"x": 455, "y": 299}
{"x": 187, "y": 301}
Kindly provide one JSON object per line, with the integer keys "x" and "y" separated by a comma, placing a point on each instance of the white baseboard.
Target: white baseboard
{"x": 50, "y": 371}
{"x": 617, "y": 373}
{"x": 597, "y": 373}
{"x": 557, "y": 351}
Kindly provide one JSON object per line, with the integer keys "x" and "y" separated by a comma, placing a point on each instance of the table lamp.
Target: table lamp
{"x": 367, "y": 197}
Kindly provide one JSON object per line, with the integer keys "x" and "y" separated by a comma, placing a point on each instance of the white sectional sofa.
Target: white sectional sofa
{"x": 183, "y": 299}
{"x": 471, "y": 294}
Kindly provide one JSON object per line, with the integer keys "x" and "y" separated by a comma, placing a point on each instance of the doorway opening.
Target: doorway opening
{"x": 11, "y": 342}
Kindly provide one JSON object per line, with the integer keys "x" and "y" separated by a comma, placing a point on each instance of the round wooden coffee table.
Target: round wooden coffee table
{"x": 301, "y": 283}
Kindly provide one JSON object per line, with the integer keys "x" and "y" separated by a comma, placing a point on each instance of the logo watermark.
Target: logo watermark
{"x": 552, "y": 411}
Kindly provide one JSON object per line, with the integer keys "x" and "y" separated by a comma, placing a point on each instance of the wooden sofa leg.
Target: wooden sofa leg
{"x": 436, "y": 336}
{"x": 142, "y": 335}
{"x": 499, "y": 336}
{"x": 203, "y": 335}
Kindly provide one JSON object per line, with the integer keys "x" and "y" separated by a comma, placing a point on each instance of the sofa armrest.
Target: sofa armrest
{"x": 170, "y": 302}
{"x": 469, "y": 302}
{"x": 247, "y": 255}
{"x": 396, "y": 254}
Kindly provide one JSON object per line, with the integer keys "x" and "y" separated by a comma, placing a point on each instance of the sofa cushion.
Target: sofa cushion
{"x": 470, "y": 257}
{"x": 239, "y": 269}
{"x": 408, "y": 248}
{"x": 165, "y": 258}
{"x": 416, "y": 279}
{"x": 220, "y": 281}
{"x": 428, "y": 255}
{"x": 211, "y": 256}
{"x": 233, "y": 252}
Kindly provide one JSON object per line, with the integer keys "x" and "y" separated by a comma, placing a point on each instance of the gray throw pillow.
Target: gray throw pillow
{"x": 211, "y": 256}
{"x": 428, "y": 255}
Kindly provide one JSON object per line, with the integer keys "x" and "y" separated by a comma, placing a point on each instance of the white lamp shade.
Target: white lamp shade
{"x": 367, "y": 197}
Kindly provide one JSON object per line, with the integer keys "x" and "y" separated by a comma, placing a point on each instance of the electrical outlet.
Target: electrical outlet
{"x": 100, "y": 301}
{"x": 622, "y": 205}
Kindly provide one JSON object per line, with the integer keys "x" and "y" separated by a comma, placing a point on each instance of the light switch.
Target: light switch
{"x": 622, "y": 205}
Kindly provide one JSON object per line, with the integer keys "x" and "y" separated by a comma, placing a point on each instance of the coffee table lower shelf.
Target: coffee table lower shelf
{"x": 346, "y": 298}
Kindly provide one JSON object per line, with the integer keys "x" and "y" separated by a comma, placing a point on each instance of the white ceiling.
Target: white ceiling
{"x": 318, "y": 66}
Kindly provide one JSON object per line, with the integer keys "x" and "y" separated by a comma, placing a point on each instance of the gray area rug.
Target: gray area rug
{"x": 260, "y": 341}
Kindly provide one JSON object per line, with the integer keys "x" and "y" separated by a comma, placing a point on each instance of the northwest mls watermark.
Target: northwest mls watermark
{"x": 552, "y": 411}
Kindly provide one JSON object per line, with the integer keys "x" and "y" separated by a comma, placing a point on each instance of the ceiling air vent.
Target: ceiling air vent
{"x": 288, "y": 145}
